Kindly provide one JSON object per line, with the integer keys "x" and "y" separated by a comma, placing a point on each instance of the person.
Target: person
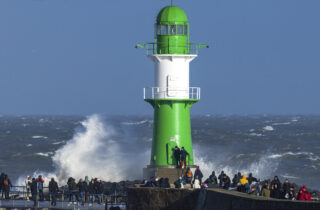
{"x": 303, "y": 194}
{"x": 235, "y": 181}
{"x": 199, "y": 175}
{"x": 225, "y": 182}
{"x": 91, "y": 190}
{"x": 28, "y": 182}
{"x": 34, "y": 191}
{"x": 244, "y": 182}
{"x": 179, "y": 183}
{"x": 177, "y": 156}
{"x": 72, "y": 187}
{"x": 99, "y": 188}
{"x": 212, "y": 178}
{"x": 276, "y": 181}
{"x": 251, "y": 179}
{"x": 82, "y": 186}
{"x": 53, "y": 189}
{"x": 40, "y": 181}
{"x": 183, "y": 157}
{"x": 291, "y": 195}
{"x": 1, "y": 185}
{"x": 6, "y": 186}
{"x": 220, "y": 177}
{"x": 188, "y": 176}
{"x": 275, "y": 191}
{"x": 266, "y": 191}
{"x": 286, "y": 188}
{"x": 86, "y": 179}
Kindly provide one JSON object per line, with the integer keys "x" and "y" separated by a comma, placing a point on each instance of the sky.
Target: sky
{"x": 77, "y": 57}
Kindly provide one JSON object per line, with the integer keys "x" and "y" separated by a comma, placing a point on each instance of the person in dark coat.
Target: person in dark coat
{"x": 183, "y": 157}
{"x": 275, "y": 191}
{"x": 235, "y": 180}
{"x": 6, "y": 186}
{"x": 34, "y": 190}
{"x": 1, "y": 185}
{"x": 276, "y": 181}
{"x": 53, "y": 189}
{"x": 225, "y": 182}
{"x": 198, "y": 174}
{"x": 251, "y": 179}
{"x": 73, "y": 189}
{"x": 82, "y": 186}
{"x": 220, "y": 177}
{"x": 99, "y": 190}
{"x": 91, "y": 189}
{"x": 286, "y": 188}
{"x": 177, "y": 156}
{"x": 212, "y": 178}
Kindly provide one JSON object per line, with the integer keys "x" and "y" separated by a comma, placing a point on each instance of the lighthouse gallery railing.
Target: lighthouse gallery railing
{"x": 171, "y": 93}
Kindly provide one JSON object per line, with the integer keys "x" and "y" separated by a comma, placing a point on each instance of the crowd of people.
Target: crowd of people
{"x": 240, "y": 182}
{"x": 78, "y": 192}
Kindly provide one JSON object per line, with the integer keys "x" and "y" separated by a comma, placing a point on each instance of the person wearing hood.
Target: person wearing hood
{"x": 28, "y": 182}
{"x": 235, "y": 181}
{"x": 303, "y": 194}
{"x": 198, "y": 174}
{"x": 87, "y": 181}
{"x": 276, "y": 181}
{"x": 266, "y": 191}
{"x": 251, "y": 179}
{"x": 53, "y": 189}
{"x": 213, "y": 178}
{"x": 177, "y": 156}
{"x": 72, "y": 187}
{"x": 244, "y": 182}
{"x": 220, "y": 177}
{"x": 34, "y": 191}
{"x": 40, "y": 181}
{"x": 6, "y": 186}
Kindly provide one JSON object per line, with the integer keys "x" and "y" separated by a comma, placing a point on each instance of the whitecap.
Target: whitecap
{"x": 137, "y": 123}
{"x": 46, "y": 154}
{"x": 39, "y": 137}
{"x": 251, "y": 130}
{"x": 268, "y": 128}
{"x": 255, "y": 134}
{"x": 284, "y": 123}
{"x": 59, "y": 142}
{"x": 29, "y": 145}
{"x": 274, "y": 156}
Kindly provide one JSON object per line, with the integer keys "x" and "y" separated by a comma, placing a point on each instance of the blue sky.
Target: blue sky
{"x": 78, "y": 56}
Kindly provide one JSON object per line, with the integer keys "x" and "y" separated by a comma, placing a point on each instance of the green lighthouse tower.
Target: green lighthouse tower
{"x": 171, "y": 97}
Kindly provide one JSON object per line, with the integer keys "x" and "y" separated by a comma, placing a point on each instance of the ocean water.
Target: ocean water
{"x": 116, "y": 148}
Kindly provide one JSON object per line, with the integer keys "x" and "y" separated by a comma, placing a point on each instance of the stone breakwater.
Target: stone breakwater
{"x": 210, "y": 199}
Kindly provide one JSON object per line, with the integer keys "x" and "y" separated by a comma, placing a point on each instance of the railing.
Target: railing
{"x": 18, "y": 197}
{"x": 171, "y": 93}
{"x": 191, "y": 48}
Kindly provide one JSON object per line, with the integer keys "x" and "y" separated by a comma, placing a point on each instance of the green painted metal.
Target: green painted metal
{"x": 171, "y": 128}
{"x": 172, "y": 31}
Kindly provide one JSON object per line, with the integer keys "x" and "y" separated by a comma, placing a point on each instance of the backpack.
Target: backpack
{"x": 5, "y": 182}
{"x": 189, "y": 174}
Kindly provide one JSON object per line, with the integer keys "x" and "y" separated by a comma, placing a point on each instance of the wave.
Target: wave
{"x": 275, "y": 156}
{"x": 29, "y": 145}
{"x": 39, "y": 137}
{"x": 284, "y": 123}
{"x": 268, "y": 128}
{"x": 59, "y": 142}
{"x": 137, "y": 123}
{"x": 45, "y": 154}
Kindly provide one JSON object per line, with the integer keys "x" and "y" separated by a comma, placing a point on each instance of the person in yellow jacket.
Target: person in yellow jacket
{"x": 244, "y": 181}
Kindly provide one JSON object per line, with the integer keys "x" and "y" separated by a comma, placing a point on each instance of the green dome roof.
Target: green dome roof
{"x": 172, "y": 14}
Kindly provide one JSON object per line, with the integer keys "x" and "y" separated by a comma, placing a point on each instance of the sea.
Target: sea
{"x": 116, "y": 148}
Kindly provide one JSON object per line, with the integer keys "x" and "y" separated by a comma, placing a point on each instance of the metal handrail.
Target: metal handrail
{"x": 151, "y": 47}
{"x": 171, "y": 93}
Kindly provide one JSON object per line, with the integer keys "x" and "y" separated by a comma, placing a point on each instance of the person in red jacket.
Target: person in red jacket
{"x": 301, "y": 195}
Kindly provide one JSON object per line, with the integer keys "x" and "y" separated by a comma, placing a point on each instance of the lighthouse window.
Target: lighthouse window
{"x": 164, "y": 29}
{"x": 185, "y": 30}
{"x": 180, "y": 29}
{"x": 172, "y": 29}
{"x": 158, "y": 29}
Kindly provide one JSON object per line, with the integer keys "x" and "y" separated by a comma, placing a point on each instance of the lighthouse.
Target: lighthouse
{"x": 171, "y": 95}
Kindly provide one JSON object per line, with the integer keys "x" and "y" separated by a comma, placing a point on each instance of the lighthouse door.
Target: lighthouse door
{"x": 172, "y": 89}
